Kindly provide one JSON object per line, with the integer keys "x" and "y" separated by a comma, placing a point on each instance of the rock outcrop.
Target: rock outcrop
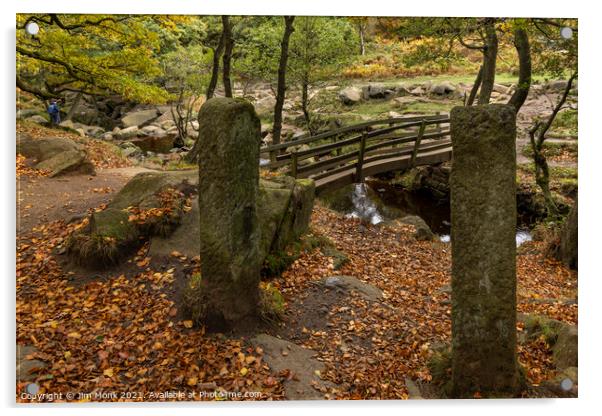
{"x": 284, "y": 209}
{"x": 56, "y": 155}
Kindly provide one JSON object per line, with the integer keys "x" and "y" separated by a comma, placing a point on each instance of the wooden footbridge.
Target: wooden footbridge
{"x": 349, "y": 154}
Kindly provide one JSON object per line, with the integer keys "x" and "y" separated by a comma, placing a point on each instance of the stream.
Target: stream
{"x": 376, "y": 201}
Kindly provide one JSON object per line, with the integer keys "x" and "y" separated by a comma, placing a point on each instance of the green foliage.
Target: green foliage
{"x": 94, "y": 53}
{"x": 188, "y": 69}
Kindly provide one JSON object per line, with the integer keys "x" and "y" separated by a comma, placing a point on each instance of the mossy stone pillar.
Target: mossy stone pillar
{"x": 483, "y": 232}
{"x": 229, "y": 139}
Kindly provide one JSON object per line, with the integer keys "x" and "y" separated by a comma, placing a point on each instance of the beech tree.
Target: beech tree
{"x": 96, "y": 55}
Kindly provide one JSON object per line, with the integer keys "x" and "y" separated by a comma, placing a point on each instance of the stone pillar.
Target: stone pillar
{"x": 483, "y": 232}
{"x": 229, "y": 142}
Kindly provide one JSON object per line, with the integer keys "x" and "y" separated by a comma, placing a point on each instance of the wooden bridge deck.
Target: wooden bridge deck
{"x": 335, "y": 159}
{"x": 347, "y": 177}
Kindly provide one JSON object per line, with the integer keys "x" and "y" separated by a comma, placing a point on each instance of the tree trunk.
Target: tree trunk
{"x": 305, "y": 105}
{"x": 362, "y": 40}
{"x": 193, "y": 154}
{"x": 521, "y": 42}
{"x": 489, "y": 58}
{"x": 217, "y": 53}
{"x": 542, "y": 178}
{"x": 542, "y": 173}
{"x": 281, "y": 89}
{"x": 228, "y": 45}
{"x": 475, "y": 87}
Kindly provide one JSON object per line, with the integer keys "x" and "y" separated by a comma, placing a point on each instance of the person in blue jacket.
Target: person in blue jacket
{"x": 54, "y": 112}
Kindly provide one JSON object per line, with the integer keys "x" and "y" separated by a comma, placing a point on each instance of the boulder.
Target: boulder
{"x": 556, "y": 86}
{"x": 152, "y": 131}
{"x": 139, "y": 118}
{"x": 502, "y": 89}
{"x": 39, "y": 119}
{"x": 25, "y": 113}
{"x": 284, "y": 208}
{"x": 423, "y": 231}
{"x": 28, "y": 368}
{"x": 565, "y": 350}
{"x": 129, "y": 149}
{"x": 417, "y": 91}
{"x": 107, "y": 136}
{"x": 442, "y": 88}
{"x": 376, "y": 91}
{"x": 350, "y": 95}
{"x": 126, "y": 133}
{"x": 285, "y": 356}
{"x": 57, "y": 155}
{"x": 118, "y": 230}
{"x": 348, "y": 283}
{"x": 167, "y": 124}
{"x": 156, "y": 144}
{"x": 265, "y": 105}
{"x": 93, "y": 131}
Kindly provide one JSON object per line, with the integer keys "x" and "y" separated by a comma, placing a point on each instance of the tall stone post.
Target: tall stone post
{"x": 228, "y": 186}
{"x": 483, "y": 233}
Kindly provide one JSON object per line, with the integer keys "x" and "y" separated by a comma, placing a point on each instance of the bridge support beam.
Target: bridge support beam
{"x": 228, "y": 290}
{"x": 483, "y": 214}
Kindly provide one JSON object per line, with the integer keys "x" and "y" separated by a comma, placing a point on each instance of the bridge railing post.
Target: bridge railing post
{"x": 294, "y": 163}
{"x": 439, "y": 130}
{"x": 417, "y": 143}
{"x": 359, "y": 167}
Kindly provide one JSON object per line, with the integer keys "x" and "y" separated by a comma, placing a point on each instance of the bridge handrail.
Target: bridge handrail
{"x": 351, "y": 128}
{"x": 367, "y": 151}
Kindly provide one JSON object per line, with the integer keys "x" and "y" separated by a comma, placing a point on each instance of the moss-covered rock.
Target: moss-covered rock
{"x": 150, "y": 204}
{"x": 107, "y": 238}
{"x": 284, "y": 209}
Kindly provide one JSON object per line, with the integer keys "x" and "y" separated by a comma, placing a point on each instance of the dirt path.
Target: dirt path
{"x": 41, "y": 200}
